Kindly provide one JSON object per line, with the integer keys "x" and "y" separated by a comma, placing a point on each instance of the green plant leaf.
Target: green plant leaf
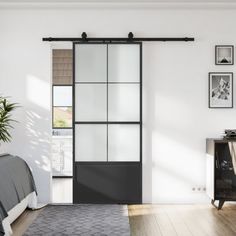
{"x": 6, "y": 109}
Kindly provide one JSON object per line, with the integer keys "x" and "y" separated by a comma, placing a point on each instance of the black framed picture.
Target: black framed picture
{"x": 224, "y": 54}
{"x": 220, "y": 90}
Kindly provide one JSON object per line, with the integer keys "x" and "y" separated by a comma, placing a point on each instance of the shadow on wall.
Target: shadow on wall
{"x": 39, "y": 152}
{"x": 32, "y": 135}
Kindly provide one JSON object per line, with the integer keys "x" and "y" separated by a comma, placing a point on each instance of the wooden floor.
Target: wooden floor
{"x": 166, "y": 220}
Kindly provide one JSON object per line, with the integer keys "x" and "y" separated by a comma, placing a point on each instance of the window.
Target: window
{"x": 62, "y": 61}
{"x": 62, "y": 117}
{"x": 62, "y": 88}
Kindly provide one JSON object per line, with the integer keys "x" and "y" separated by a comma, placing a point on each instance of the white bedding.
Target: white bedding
{"x": 30, "y": 201}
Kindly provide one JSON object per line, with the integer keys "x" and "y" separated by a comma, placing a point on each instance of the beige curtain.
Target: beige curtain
{"x": 232, "y": 149}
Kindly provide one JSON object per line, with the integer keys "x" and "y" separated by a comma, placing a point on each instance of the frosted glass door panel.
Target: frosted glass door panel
{"x": 91, "y": 143}
{"x": 124, "y": 63}
{"x": 62, "y": 96}
{"x": 123, "y": 143}
{"x": 90, "y": 102}
{"x": 123, "y": 102}
{"x": 90, "y": 63}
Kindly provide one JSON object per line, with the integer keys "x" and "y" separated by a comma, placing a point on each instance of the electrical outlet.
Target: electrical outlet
{"x": 199, "y": 189}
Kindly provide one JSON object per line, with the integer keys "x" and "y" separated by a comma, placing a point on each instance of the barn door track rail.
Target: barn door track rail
{"x": 130, "y": 38}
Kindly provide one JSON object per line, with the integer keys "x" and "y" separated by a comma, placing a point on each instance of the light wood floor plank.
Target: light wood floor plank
{"x": 24, "y": 221}
{"x": 148, "y": 222}
{"x": 229, "y": 216}
{"x": 219, "y": 222}
{"x": 178, "y": 221}
{"x": 194, "y": 223}
{"x": 166, "y": 227}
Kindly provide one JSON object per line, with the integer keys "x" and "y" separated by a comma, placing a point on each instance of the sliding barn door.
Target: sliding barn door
{"x": 107, "y": 123}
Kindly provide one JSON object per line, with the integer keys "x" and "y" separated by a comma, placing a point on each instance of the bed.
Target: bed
{"x": 17, "y": 190}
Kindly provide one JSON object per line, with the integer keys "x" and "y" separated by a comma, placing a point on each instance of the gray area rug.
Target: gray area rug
{"x": 81, "y": 219}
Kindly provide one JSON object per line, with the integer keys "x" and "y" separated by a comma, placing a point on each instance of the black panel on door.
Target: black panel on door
{"x": 108, "y": 183}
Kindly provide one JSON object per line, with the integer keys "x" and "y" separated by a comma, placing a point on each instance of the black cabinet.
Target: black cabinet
{"x": 221, "y": 178}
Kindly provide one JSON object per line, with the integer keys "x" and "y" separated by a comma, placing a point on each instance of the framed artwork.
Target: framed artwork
{"x": 224, "y": 55}
{"x": 220, "y": 90}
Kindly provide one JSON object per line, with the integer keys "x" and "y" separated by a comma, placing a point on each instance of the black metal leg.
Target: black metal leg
{"x": 213, "y": 202}
{"x": 220, "y": 205}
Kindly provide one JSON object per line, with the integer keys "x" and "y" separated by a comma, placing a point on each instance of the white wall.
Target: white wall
{"x": 176, "y": 115}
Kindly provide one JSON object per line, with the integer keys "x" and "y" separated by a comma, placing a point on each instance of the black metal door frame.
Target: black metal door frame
{"x": 74, "y": 122}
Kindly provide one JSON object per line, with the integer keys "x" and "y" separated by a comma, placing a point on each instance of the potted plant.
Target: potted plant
{"x": 6, "y": 108}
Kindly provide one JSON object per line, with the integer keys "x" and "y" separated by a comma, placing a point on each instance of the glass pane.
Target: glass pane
{"x": 90, "y": 102}
{"x": 123, "y": 143}
{"x": 123, "y": 102}
{"x": 124, "y": 63}
{"x": 62, "y": 117}
{"x": 90, "y": 143}
{"x": 91, "y": 63}
{"x": 62, "y": 96}
{"x": 225, "y": 179}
